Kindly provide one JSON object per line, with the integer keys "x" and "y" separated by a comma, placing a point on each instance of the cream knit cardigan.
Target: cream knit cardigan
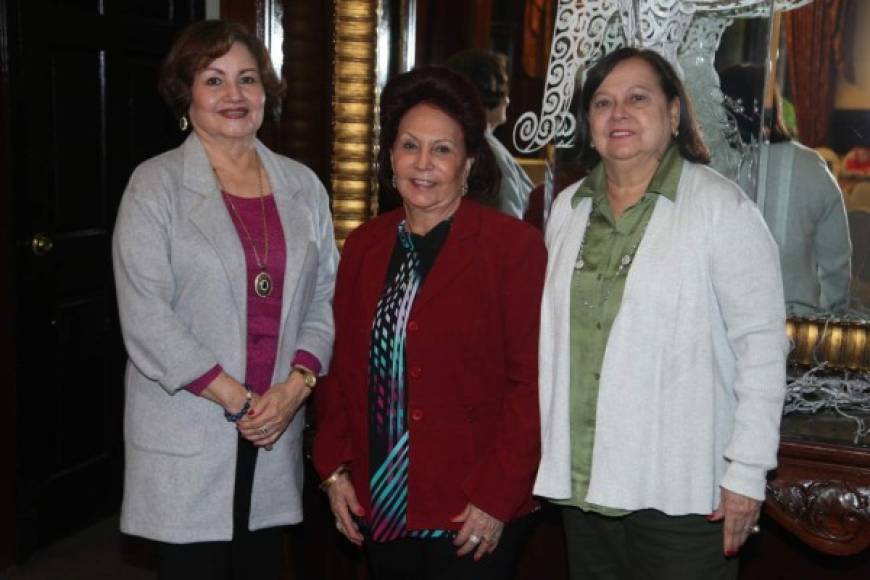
{"x": 693, "y": 377}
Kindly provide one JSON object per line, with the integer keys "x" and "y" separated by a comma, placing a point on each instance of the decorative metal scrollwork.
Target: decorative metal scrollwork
{"x": 585, "y": 29}
{"x": 576, "y": 35}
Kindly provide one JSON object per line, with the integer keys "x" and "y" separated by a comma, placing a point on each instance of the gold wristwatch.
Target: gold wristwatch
{"x": 309, "y": 378}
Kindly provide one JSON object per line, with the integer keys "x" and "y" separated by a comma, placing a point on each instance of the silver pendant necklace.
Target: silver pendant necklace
{"x": 607, "y": 285}
{"x": 263, "y": 284}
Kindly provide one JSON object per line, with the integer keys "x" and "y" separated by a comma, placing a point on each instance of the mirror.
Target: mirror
{"x": 820, "y": 217}
{"x": 809, "y": 73}
{"x": 516, "y": 32}
{"x": 807, "y": 129}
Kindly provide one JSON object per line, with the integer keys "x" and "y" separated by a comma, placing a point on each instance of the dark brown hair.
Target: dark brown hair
{"x": 452, "y": 93}
{"x": 688, "y": 140}
{"x": 486, "y": 71}
{"x": 198, "y": 45}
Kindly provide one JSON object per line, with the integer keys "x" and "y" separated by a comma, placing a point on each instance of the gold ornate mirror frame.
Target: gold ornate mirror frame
{"x": 354, "y": 106}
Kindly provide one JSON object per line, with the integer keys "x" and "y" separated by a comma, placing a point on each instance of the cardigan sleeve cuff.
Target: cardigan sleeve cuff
{"x": 747, "y": 480}
{"x": 199, "y": 385}
{"x": 307, "y": 360}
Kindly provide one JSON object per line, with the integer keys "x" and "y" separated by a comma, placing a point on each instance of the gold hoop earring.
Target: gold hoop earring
{"x": 183, "y": 124}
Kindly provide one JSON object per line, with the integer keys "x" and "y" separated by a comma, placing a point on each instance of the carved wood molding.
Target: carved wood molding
{"x": 354, "y": 113}
{"x": 828, "y": 514}
{"x": 815, "y": 456}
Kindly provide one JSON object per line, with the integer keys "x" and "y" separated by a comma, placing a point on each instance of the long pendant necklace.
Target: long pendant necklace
{"x": 263, "y": 285}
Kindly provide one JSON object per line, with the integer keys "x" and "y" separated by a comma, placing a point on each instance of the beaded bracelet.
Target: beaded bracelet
{"x": 234, "y": 417}
{"x": 342, "y": 469}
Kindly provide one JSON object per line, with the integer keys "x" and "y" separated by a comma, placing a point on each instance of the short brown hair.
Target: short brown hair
{"x": 688, "y": 139}
{"x": 456, "y": 97}
{"x": 198, "y": 45}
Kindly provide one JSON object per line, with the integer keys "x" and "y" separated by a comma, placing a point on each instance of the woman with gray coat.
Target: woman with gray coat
{"x": 224, "y": 264}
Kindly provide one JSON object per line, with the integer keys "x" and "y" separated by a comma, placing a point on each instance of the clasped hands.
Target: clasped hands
{"x": 269, "y": 414}
{"x": 272, "y": 412}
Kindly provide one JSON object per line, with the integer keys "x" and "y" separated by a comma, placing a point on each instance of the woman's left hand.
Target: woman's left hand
{"x": 480, "y": 532}
{"x": 271, "y": 413}
{"x": 740, "y": 514}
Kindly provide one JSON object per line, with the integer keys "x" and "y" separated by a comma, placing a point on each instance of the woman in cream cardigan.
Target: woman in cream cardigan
{"x": 662, "y": 351}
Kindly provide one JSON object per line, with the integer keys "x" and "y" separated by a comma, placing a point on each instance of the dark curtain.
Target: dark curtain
{"x": 445, "y": 27}
{"x": 539, "y": 20}
{"x": 812, "y": 34}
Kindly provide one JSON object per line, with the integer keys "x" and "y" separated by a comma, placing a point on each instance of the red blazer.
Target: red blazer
{"x": 472, "y": 367}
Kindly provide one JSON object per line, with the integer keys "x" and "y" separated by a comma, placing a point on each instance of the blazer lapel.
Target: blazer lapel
{"x": 456, "y": 255}
{"x": 376, "y": 261}
{"x": 212, "y": 219}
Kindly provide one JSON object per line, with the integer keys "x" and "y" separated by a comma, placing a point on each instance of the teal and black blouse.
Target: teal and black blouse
{"x": 389, "y": 437}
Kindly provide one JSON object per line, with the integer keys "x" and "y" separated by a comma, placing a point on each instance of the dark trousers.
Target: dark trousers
{"x": 645, "y": 544}
{"x": 249, "y": 555}
{"x": 410, "y": 559}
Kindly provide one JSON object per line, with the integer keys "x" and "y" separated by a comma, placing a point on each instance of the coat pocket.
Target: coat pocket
{"x": 158, "y": 422}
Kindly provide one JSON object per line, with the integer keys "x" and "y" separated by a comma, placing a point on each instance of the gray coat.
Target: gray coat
{"x": 805, "y": 212}
{"x": 182, "y": 294}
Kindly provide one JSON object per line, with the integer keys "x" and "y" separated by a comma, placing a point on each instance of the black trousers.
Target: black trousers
{"x": 248, "y": 556}
{"x": 410, "y": 559}
{"x": 646, "y": 544}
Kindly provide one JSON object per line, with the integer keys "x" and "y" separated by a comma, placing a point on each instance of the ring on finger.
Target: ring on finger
{"x": 756, "y": 529}
{"x": 474, "y": 539}
{"x": 264, "y": 430}
{"x": 338, "y": 526}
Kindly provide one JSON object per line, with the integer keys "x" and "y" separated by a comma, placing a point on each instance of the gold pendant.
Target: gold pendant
{"x": 263, "y": 284}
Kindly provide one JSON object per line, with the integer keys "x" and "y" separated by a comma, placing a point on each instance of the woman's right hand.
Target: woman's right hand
{"x": 343, "y": 502}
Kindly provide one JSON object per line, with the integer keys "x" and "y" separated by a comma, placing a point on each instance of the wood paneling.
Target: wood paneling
{"x": 8, "y": 430}
{"x": 79, "y": 112}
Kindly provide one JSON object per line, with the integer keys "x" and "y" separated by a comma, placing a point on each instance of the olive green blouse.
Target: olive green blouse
{"x": 603, "y": 262}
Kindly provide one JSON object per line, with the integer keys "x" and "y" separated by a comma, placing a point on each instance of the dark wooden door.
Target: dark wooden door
{"x": 83, "y": 111}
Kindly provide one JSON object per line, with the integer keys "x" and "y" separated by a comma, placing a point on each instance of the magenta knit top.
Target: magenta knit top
{"x": 264, "y": 314}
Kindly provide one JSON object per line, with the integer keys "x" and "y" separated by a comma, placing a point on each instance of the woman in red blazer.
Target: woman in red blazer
{"x": 428, "y": 432}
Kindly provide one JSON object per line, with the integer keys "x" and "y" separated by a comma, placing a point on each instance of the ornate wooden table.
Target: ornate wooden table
{"x": 816, "y": 522}
{"x": 821, "y": 490}
{"x": 821, "y": 493}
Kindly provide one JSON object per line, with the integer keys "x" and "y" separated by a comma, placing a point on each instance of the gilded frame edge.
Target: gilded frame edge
{"x": 840, "y": 343}
{"x": 354, "y": 109}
